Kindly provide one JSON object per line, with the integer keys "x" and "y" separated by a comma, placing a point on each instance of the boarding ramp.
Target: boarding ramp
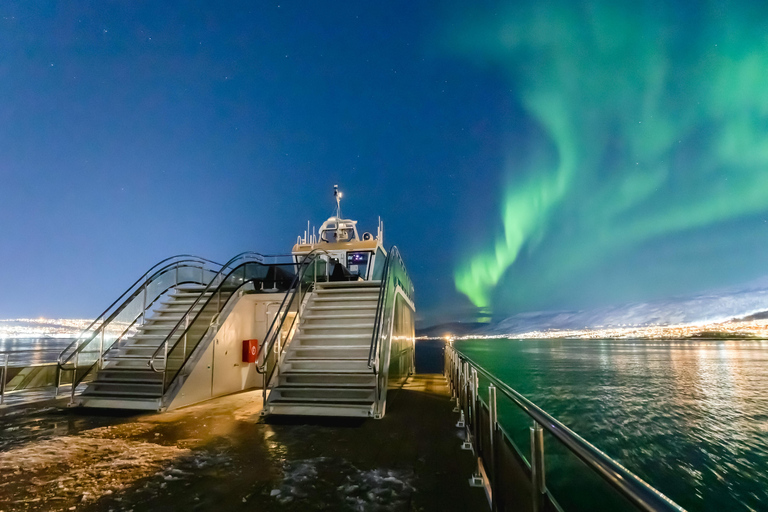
{"x": 335, "y": 354}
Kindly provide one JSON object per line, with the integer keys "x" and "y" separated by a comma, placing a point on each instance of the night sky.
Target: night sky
{"x": 522, "y": 155}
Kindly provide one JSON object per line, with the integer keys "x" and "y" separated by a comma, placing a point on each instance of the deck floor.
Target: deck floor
{"x": 222, "y": 455}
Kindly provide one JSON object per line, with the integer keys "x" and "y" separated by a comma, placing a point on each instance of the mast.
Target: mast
{"x": 337, "y": 195}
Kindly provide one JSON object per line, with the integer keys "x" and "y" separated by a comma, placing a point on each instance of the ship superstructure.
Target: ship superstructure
{"x": 323, "y": 331}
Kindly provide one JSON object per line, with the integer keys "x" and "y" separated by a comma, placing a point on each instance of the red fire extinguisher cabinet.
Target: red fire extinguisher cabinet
{"x": 250, "y": 350}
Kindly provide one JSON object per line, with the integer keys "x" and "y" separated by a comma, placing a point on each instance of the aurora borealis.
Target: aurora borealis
{"x": 648, "y": 164}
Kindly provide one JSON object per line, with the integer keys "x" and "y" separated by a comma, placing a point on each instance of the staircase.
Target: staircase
{"x": 126, "y": 381}
{"x": 325, "y": 368}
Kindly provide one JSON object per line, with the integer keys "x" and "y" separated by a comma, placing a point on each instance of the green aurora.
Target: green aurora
{"x": 654, "y": 127}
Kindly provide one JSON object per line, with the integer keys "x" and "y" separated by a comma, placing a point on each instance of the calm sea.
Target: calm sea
{"x": 32, "y": 350}
{"x": 689, "y": 417}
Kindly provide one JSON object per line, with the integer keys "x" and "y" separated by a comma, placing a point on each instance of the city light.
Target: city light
{"x": 756, "y": 329}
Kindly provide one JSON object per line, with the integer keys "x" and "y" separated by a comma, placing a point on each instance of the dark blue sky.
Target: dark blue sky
{"x": 536, "y": 155}
{"x": 133, "y": 131}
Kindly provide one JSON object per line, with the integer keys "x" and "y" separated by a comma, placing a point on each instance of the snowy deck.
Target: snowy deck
{"x": 222, "y": 455}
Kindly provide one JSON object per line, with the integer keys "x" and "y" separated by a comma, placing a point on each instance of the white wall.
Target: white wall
{"x": 219, "y": 369}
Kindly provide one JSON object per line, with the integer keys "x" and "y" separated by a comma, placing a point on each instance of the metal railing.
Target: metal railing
{"x": 87, "y": 351}
{"x": 394, "y": 276}
{"x": 21, "y": 376}
{"x": 180, "y": 343}
{"x": 389, "y": 282}
{"x": 294, "y": 299}
{"x": 487, "y": 440}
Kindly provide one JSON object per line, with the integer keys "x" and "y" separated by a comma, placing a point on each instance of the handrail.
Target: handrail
{"x": 379, "y": 307}
{"x": 271, "y": 336}
{"x": 393, "y": 255}
{"x": 279, "y": 320}
{"x": 640, "y": 493}
{"x": 81, "y": 342}
{"x": 258, "y": 258}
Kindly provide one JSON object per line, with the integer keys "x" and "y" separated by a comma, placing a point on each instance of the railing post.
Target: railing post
{"x": 165, "y": 363}
{"x": 5, "y": 377}
{"x": 74, "y": 378}
{"x": 474, "y": 416}
{"x": 460, "y": 397}
{"x": 186, "y": 326}
{"x": 492, "y": 422}
{"x": 538, "y": 483}
{"x": 58, "y": 381}
{"x": 144, "y": 305}
{"x": 101, "y": 348}
{"x": 473, "y": 440}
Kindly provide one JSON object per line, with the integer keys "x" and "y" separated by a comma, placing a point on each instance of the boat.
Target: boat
{"x": 323, "y": 338}
{"x": 305, "y": 327}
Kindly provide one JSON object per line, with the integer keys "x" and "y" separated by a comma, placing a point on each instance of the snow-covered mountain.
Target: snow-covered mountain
{"x": 715, "y": 307}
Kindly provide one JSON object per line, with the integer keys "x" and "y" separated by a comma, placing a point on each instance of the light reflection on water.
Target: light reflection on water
{"x": 689, "y": 417}
{"x": 32, "y": 350}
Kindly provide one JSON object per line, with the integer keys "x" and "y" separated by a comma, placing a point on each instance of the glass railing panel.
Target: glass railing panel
{"x": 160, "y": 284}
{"x": 182, "y": 342}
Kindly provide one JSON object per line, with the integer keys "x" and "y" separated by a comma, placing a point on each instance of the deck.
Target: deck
{"x": 222, "y": 455}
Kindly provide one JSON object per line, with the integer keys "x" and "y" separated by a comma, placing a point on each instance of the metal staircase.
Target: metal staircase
{"x": 325, "y": 369}
{"x": 125, "y": 379}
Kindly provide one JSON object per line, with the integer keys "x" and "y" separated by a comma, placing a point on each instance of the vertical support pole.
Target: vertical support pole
{"x": 186, "y": 326}
{"x": 475, "y": 417}
{"x": 473, "y": 440}
{"x": 58, "y": 381}
{"x": 492, "y": 422}
{"x": 2, "y": 382}
{"x": 101, "y": 347}
{"x": 465, "y": 387}
{"x": 74, "y": 378}
{"x": 165, "y": 363}
{"x": 538, "y": 483}
{"x": 144, "y": 305}
{"x": 176, "y": 278}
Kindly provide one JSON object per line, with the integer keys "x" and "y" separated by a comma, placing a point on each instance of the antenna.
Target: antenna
{"x": 337, "y": 194}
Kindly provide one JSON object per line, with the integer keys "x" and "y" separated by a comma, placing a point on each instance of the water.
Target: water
{"x": 24, "y": 351}
{"x": 689, "y": 417}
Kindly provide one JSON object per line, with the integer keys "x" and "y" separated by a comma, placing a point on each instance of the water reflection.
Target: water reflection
{"x": 25, "y": 351}
{"x": 688, "y": 416}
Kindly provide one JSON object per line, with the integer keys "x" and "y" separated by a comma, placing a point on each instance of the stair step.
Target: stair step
{"x": 323, "y": 394}
{"x": 319, "y": 400}
{"x": 343, "y": 326}
{"x": 332, "y": 342}
{"x": 327, "y": 380}
{"x": 337, "y": 316}
{"x": 136, "y": 364}
{"x": 299, "y": 371}
{"x": 321, "y": 365}
{"x": 350, "y": 284}
{"x": 133, "y": 350}
{"x": 129, "y": 375}
{"x": 133, "y": 403}
{"x": 343, "y": 298}
{"x": 120, "y": 394}
{"x": 321, "y": 409}
{"x": 328, "y": 352}
{"x": 348, "y": 291}
{"x": 118, "y": 388}
{"x": 343, "y": 307}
